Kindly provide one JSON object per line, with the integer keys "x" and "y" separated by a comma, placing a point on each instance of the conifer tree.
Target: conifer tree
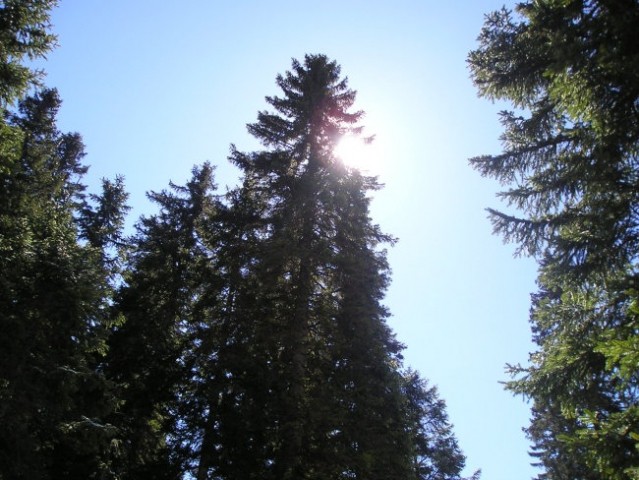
{"x": 436, "y": 455}
{"x": 58, "y": 263}
{"x": 55, "y": 292}
{"x": 148, "y": 356}
{"x": 570, "y": 164}
{"x": 306, "y": 376}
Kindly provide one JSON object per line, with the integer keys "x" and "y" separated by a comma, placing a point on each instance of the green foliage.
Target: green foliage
{"x": 570, "y": 162}
{"x": 436, "y": 455}
{"x": 54, "y": 296}
{"x": 148, "y": 352}
{"x": 56, "y": 275}
{"x": 24, "y": 35}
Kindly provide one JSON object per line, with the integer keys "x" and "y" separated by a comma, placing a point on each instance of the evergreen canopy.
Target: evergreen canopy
{"x": 233, "y": 336}
{"x": 570, "y": 163}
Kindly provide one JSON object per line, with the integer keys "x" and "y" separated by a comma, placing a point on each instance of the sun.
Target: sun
{"x": 358, "y": 153}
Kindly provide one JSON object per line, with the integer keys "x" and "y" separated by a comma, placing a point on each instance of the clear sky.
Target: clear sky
{"x": 155, "y": 87}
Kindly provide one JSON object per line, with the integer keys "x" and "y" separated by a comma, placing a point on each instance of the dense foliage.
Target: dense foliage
{"x": 255, "y": 343}
{"x": 56, "y": 272}
{"x": 233, "y": 336}
{"x": 570, "y": 161}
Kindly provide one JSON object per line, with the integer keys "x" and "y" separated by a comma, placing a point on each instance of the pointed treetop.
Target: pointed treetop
{"x": 313, "y": 112}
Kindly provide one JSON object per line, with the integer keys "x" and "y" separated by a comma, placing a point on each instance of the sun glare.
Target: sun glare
{"x": 356, "y": 153}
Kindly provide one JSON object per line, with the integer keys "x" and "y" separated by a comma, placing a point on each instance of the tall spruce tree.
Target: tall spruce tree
{"x": 570, "y": 159}
{"x": 304, "y": 378}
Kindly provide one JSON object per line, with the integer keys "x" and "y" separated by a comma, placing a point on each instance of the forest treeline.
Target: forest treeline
{"x": 236, "y": 335}
{"x": 242, "y": 335}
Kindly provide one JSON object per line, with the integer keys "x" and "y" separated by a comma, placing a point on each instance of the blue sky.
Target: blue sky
{"x": 155, "y": 87}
